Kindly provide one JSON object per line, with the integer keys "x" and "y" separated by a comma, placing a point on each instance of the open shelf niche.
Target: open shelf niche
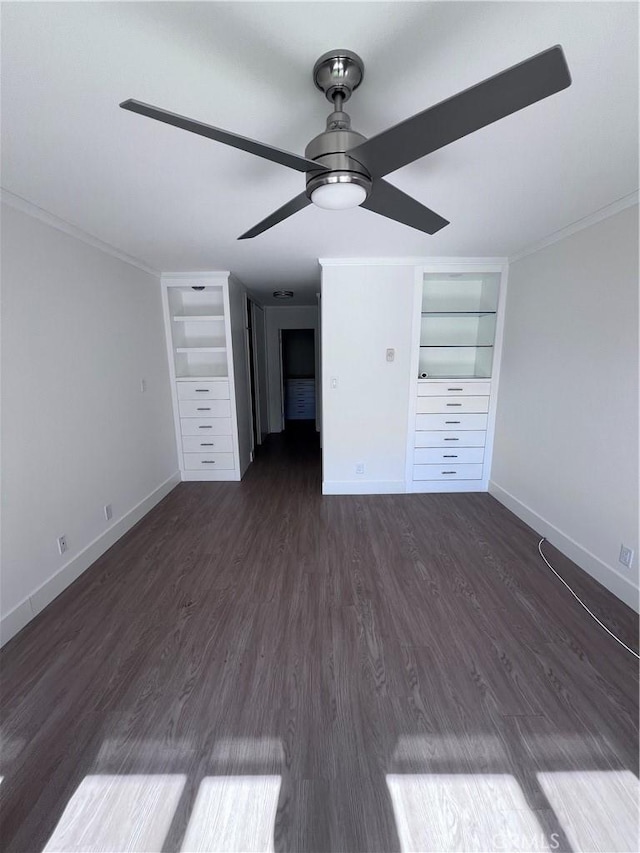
{"x": 458, "y": 325}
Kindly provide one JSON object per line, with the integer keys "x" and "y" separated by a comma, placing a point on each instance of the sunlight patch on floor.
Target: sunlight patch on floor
{"x": 597, "y": 809}
{"x": 233, "y": 813}
{"x": 117, "y": 814}
{"x": 471, "y": 812}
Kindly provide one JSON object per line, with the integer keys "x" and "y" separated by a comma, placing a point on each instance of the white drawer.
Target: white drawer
{"x": 451, "y": 422}
{"x": 442, "y": 389}
{"x": 428, "y": 405}
{"x": 203, "y": 390}
{"x": 207, "y": 443}
{"x": 447, "y": 472}
{"x": 205, "y": 426}
{"x": 208, "y": 461}
{"x": 448, "y": 456}
{"x": 466, "y": 438}
{"x": 204, "y": 408}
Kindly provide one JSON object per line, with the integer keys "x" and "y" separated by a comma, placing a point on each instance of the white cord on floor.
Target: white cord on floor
{"x": 617, "y": 639}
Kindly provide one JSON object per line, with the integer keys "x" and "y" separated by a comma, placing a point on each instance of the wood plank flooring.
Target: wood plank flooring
{"x": 257, "y": 667}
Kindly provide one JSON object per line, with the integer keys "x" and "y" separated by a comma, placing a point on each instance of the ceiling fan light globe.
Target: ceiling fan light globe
{"x": 338, "y": 196}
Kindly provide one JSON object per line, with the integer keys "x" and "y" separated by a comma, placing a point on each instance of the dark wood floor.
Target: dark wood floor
{"x": 255, "y": 666}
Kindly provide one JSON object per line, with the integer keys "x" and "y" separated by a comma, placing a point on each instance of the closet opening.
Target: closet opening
{"x": 298, "y": 360}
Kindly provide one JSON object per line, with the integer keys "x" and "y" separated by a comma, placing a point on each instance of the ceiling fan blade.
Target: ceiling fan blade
{"x": 277, "y": 155}
{"x": 498, "y": 96}
{"x": 391, "y": 202}
{"x": 278, "y": 215}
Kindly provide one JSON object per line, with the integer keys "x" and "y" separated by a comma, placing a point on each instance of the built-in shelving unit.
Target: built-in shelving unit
{"x": 454, "y": 404}
{"x": 199, "y": 340}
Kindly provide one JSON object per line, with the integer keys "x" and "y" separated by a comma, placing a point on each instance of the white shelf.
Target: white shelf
{"x": 201, "y": 349}
{"x": 457, "y": 376}
{"x": 197, "y": 318}
{"x": 460, "y": 294}
{"x": 196, "y": 303}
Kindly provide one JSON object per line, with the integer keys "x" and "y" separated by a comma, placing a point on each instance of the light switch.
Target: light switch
{"x": 391, "y": 354}
{"x": 334, "y": 381}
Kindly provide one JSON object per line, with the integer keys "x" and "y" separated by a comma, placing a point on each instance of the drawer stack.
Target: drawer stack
{"x": 300, "y": 399}
{"x": 450, "y": 434}
{"x": 205, "y": 424}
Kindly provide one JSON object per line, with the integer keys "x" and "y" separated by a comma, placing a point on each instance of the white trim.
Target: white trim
{"x": 54, "y": 221}
{"x": 433, "y": 487}
{"x": 578, "y": 225}
{"x": 609, "y": 577}
{"x": 230, "y": 475}
{"x": 495, "y": 374}
{"x": 438, "y": 264}
{"x": 366, "y": 487}
{"x": 35, "y": 602}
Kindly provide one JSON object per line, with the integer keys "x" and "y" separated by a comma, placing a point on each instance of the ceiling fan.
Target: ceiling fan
{"x": 344, "y": 169}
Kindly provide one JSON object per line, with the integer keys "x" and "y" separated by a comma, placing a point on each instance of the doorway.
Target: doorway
{"x": 299, "y": 381}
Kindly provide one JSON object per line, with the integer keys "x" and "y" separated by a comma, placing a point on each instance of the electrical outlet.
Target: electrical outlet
{"x": 360, "y": 468}
{"x": 108, "y": 512}
{"x": 143, "y": 386}
{"x": 62, "y": 544}
{"x": 626, "y": 556}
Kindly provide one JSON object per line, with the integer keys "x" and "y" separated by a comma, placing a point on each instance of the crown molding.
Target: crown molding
{"x": 578, "y": 225}
{"x": 54, "y": 221}
{"x": 411, "y": 261}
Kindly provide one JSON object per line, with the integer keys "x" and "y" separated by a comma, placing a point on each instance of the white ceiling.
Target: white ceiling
{"x": 178, "y": 201}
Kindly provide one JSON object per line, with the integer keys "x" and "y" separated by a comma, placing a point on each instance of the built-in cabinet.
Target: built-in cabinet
{"x": 210, "y": 417}
{"x": 453, "y": 402}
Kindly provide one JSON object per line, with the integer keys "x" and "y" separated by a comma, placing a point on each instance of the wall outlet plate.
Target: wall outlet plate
{"x": 360, "y": 468}
{"x": 62, "y": 544}
{"x": 626, "y": 556}
{"x": 108, "y": 512}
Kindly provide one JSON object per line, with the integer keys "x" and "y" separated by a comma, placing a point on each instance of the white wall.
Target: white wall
{"x": 240, "y": 346}
{"x": 365, "y": 310}
{"x": 566, "y": 441}
{"x": 80, "y": 330}
{"x": 277, "y": 318}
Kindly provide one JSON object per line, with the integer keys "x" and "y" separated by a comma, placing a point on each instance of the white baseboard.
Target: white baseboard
{"x": 210, "y": 476}
{"x": 19, "y": 616}
{"x": 443, "y": 486}
{"x": 363, "y": 487}
{"x": 616, "y": 583}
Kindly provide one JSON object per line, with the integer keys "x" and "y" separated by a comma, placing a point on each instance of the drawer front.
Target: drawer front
{"x": 451, "y": 422}
{"x": 208, "y": 461}
{"x": 207, "y": 443}
{"x": 203, "y": 390}
{"x": 448, "y": 456}
{"x": 205, "y": 426}
{"x": 447, "y": 472}
{"x": 466, "y": 438}
{"x": 204, "y": 408}
{"x": 427, "y": 405}
{"x": 453, "y": 388}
